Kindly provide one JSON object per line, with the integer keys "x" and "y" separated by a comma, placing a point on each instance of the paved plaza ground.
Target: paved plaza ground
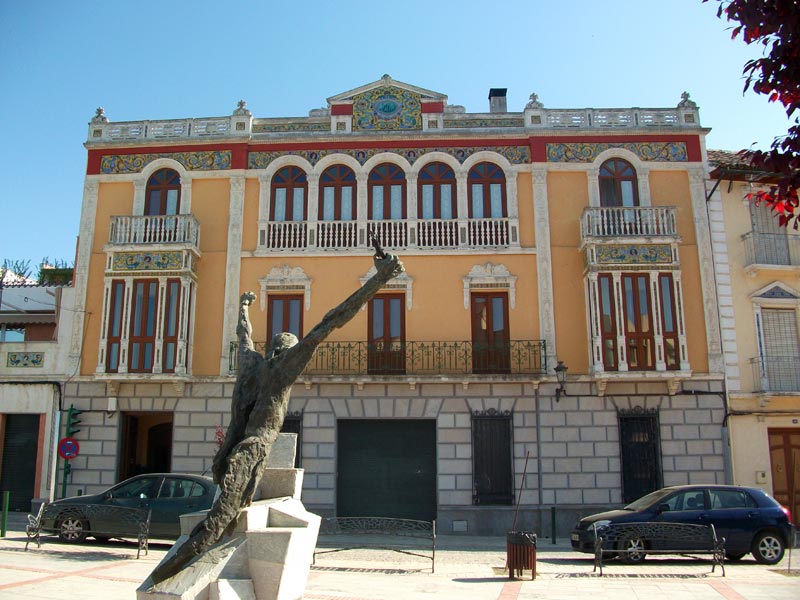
{"x": 467, "y": 568}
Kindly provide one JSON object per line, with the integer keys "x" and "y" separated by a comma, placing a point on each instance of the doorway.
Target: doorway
{"x": 146, "y": 444}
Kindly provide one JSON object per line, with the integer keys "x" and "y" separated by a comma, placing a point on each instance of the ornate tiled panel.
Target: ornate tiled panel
{"x": 628, "y": 254}
{"x": 514, "y": 154}
{"x": 290, "y": 127}
{"x": 147, "y": 261}
{"x": 211, "y": 160}
{"x": 479, "y": 123}
{"x": 588, "y": 152}
{"x": 387, "y": 108}
{"x": 25, "y": 359}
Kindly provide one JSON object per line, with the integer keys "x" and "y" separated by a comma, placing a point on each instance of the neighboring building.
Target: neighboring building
{"x": 528, "y": 237}
{"x": 758, "y": 263}
{"x": 34, "y": 318}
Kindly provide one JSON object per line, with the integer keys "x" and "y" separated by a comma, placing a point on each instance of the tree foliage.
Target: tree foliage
{"x": 775, "y": 25}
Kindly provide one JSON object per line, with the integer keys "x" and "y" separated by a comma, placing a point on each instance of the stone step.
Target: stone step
{"x": 232, "y": 589}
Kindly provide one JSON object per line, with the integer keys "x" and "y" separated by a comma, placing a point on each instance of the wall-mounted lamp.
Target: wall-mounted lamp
{"x": 561, "y": 374}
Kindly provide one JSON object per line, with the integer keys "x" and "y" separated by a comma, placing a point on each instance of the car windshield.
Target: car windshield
{"x": 649, "y": 500}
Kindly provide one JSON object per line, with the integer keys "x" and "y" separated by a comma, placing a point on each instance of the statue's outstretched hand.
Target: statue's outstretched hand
{"x": 389, "y": 264}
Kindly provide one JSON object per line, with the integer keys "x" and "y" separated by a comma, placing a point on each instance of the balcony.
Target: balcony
{"x": 775, "y": 374}
{"x": 427, "y": 234}
{"x": 771, "y": 250}
{"x": 155, "y": 230}
{"x": 628, "y": 222}
{"x": 517, "y": 357}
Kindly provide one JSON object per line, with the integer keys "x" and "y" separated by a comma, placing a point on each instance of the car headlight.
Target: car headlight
{"x": 602, "y": 523}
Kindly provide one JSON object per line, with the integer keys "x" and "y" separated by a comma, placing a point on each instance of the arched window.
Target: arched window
{"x": 618, "y": 184}
{"x": 387, "y": 193}
{"x": 289, "y": 187}
{"x": 163, "y": 193}
{"x": 487, "y": 192}
{"x": 337, "y": 194}
{"x": 437, "y": 192}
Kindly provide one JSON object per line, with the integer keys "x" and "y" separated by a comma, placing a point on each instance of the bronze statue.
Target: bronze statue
{"x": 259, "y": 404}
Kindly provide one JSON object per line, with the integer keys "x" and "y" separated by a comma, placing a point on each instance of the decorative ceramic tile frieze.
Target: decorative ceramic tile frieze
{"x": 587, "y": 152}
{"x": 779, "y": 293}
{"x": 480, "y": 123}
{"x": 387, "y": 108}
{"x": 25, "y": 359}
{"x": 634, "y": 254}
{"x": 514, "y": 154}
{"x": 147, "y": 261}
{"x": 290, "y": 127}
{"x": 211, "y": 160}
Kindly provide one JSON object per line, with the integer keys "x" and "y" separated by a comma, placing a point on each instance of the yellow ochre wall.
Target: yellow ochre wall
{"x": 437, "y": 313}
{"x": 527, "y": 229}
{"x": 671, "y": 188}
{"x": 113, "y": 199}
{"x": 210, "y": 204}
{"x": 568, "y": 195}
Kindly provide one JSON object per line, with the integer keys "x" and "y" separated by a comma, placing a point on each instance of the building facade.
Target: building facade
{"x": 35, "y": 324}
{"x": 528, "y": 237}
{"x": 758, "y": 262}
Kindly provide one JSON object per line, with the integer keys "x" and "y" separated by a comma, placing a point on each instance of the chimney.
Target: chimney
{"x": 497, "y": 100}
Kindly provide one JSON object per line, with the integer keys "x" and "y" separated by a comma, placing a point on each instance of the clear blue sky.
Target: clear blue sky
{"x": 59, "y": 60}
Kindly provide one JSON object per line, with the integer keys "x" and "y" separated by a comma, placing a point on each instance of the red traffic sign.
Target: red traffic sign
{"x": 68, "y": 448}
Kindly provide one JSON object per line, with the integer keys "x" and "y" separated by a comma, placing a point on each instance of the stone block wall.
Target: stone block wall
{"x": 572, "y": 446}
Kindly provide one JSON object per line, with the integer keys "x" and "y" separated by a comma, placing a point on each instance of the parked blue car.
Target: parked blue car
{"x": 748, "y": 518}
{"x": 166, "y": 495}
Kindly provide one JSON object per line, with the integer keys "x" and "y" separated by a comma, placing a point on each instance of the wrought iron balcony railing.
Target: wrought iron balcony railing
{"x": 777, "y": 249}
{"x": 155, "y": 229}
{"x": 635, "y": 221}
{"x": 517, "y": 357}
{"x": 776, "y": 373}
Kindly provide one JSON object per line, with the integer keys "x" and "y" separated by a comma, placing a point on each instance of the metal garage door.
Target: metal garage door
{"x": 386, "y": 469}
{"x": 20, "y": 445}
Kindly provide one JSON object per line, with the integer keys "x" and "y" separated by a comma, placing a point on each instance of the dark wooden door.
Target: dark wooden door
{"x": 490, "y": 337}
{"x": 387, "y": 335}
{"x": 784, "y": 450}
{"x": 386, "y": 468}
{"x": 20, "y": 447}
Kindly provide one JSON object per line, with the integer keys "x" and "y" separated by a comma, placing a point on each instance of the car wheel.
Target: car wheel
{"x": 634, "y": 551}
{"x": 734, "y": 557}
{"x": 72, "y": 529}
{"x": 768, "y": 548}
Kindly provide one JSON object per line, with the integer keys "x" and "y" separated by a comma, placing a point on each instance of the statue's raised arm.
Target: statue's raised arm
{"x": 387, "y": 266}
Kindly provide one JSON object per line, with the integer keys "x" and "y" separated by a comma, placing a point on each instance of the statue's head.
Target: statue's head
{"x": 280, "y": 342}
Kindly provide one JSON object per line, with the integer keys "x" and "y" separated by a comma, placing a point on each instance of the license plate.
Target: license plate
{"x": 575, "y": 537}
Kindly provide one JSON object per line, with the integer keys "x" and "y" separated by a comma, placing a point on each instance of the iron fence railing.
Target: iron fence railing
{"x": 776, "y": 373}
{"x": 517, "y": 357}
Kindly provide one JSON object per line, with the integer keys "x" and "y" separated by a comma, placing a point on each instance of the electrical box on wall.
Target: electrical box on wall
{"x": 761, "y": 477}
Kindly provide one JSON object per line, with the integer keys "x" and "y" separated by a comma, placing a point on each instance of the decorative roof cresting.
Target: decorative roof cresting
{"x": 686, "y": 102}
{"x": 534, "y": 103}
{"x": 100, "y": 115}
{"x": 241, "y": 109}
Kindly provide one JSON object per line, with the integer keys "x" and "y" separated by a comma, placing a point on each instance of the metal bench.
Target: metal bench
{"x": 638, "y": 539}
{"x": 129, "y": 522}
{"x": 380, "y": 526}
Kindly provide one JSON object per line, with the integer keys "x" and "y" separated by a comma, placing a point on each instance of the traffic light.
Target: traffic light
{"x": 73, "y": 421}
